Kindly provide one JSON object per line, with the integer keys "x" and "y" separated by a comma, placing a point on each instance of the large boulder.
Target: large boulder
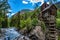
{"x": 37, "y": 33}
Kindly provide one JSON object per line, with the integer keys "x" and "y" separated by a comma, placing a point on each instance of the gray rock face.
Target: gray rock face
{"x": 37, "y": 33}
{"x": 23, "y": 38}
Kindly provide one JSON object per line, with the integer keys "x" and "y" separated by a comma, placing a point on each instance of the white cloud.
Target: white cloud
{"x": 24, "y": 2}
{"x": 12, "y": 14}
{"x": 9, "y": 10}
{"x": 7, "y": 14}
{"x": 35, "y": 1}
{"x": 47, "y": 2}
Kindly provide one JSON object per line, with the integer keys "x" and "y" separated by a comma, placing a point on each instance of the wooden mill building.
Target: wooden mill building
{"x": 48, "y": 15}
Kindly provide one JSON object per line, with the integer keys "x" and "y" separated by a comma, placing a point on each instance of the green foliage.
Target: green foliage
{"x": 25, "y": 23}
{"x": 43, "y": 26}
{"x": 58, "y": 14}
{"x": 3, "y": 11}
{"x": 58, "y": 19}
{"x": 34, "y": 21}
{"x": 58, "y": 37}
{"x": 22, "y": 23}
{"x": 28, "y": 23}
{"x": 27, "y": 20}
{"x": 58, "y": 23}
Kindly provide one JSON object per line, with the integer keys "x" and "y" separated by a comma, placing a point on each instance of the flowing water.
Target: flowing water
{"x": 11, "y": 34}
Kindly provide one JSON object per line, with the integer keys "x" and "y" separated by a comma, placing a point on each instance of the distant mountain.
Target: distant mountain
{"x": 58, "y": 5}
{"x": 25, "y": 10}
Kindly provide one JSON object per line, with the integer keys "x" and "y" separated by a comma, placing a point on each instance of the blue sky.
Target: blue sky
{"x": 18, "y": 5}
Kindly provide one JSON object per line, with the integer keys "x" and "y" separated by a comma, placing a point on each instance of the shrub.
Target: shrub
{"x": 43, "y": 26}
{"x": 34, "y": 21}
{"x": 58, "y": 23}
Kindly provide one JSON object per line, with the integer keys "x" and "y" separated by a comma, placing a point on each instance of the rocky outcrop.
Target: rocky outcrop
{"x": 37, "y": 34}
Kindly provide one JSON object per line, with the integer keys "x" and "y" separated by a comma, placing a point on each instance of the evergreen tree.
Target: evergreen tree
{"x": 52, "y": 1}
{"x": 4, "y": 6}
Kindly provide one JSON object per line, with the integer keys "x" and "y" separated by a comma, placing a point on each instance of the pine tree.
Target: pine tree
{"x": 4, "y": 6}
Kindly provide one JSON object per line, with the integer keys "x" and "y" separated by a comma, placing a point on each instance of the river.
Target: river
{"x": 12, "y": 34}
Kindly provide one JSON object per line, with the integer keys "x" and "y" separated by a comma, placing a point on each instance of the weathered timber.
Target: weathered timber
{"x": 48, "y": 15}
